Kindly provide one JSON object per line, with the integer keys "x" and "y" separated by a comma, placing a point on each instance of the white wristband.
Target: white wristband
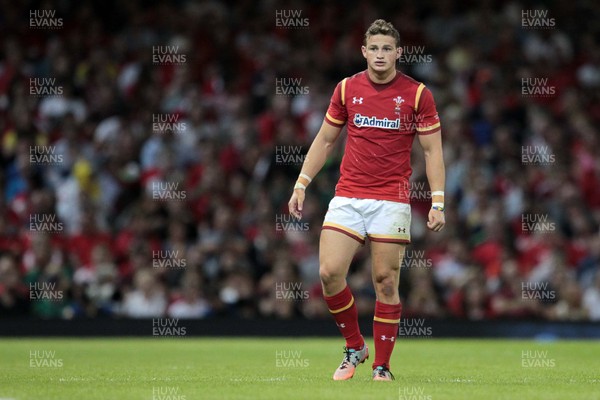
{"x": 436, "y": 204}
{"x": 437, "y": 193}
{"x": 308, "y": 178}
{"x": 299, "y": 186}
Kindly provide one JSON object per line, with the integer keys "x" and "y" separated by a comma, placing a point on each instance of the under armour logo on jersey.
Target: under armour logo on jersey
{"x": 358, "y": 100}
{"x": 390, "y": 338}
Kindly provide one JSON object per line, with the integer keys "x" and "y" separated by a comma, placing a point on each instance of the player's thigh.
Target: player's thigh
{"x": 388, "y": 228}
{"x": 386, "y": 259}
{"x": 336, "y": 251}
{"x": 342, "y": 234}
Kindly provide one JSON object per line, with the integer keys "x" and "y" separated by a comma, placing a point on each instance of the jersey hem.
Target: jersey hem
{"x": 330, "y": 122}
{"x": 369, "y": 196}
{"x": 425, "y": 133}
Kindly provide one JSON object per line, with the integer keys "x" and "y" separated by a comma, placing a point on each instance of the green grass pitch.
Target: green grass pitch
{"x": 266, "y": 368}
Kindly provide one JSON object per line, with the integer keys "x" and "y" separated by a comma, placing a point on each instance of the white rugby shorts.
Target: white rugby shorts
{"x": 379, "y": 220}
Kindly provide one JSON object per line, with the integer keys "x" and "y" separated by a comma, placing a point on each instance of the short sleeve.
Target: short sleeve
{"x": 337, "y": 115}
{"x": 429, "y": 121}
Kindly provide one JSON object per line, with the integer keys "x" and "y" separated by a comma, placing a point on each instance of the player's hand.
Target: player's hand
{"x": 296, "y": 202}
{"x": 436, "y": 221}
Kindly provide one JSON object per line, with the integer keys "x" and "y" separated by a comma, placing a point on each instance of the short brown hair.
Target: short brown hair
{"x": 382, "y": 27}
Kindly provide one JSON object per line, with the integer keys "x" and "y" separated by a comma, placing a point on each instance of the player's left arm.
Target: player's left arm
{"x": 436, "y": 175}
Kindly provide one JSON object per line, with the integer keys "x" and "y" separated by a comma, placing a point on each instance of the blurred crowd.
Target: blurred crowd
{"x": 130, "y": 220}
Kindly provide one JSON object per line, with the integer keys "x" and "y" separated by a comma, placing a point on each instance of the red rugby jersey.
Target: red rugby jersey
{"x": 382, "y": 122}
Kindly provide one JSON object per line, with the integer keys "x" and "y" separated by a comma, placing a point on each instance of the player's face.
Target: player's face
{"x": 381, "y": 53}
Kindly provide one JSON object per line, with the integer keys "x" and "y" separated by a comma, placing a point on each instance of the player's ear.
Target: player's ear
{"x": 398, "y": 52}
{"x": 364, "y": 51}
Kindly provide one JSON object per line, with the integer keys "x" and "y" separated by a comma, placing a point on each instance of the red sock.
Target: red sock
{"x": 385, "y": 330}
{"x": 343, "y": 309}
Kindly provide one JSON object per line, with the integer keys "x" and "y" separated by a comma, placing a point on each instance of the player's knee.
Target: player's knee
{"x": 385, "y": 284}
{"x": 325, "y": 275}
{"x": 328, "y": 274}
{"x": 386, "y": 277}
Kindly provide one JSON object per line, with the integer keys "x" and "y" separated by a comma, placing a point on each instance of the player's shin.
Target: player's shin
{"x": 385, "y": 331}
{"x": 344, "y": 312}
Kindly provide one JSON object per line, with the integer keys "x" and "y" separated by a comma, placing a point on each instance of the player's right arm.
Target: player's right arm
{"x": 319, "y": 151}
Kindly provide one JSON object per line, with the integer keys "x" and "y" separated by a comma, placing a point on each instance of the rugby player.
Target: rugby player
{"x": 383, "y": 110}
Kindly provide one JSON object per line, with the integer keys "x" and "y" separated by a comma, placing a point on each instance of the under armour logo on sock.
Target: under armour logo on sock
{"x": 390, "y": 338}
{"x": 341, "y": 325}
{"x": 358, "y": 100}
